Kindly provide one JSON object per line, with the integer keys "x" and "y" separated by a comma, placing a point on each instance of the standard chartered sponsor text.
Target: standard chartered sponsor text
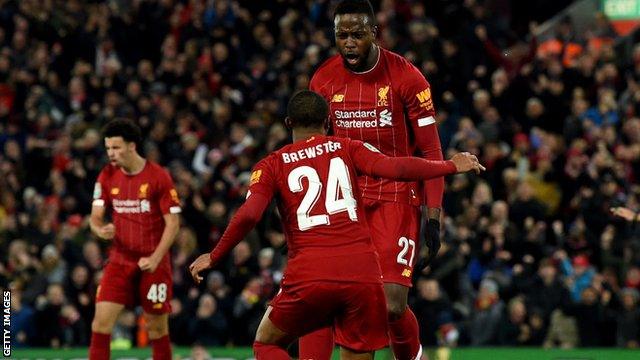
{"x": 357, "y": 114}
{"x": 131, "y": 206}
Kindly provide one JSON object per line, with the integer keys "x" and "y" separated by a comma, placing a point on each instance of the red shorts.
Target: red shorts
{"x": 395, "y": 228}
{"x": 124, "y": 283}
{"x": 357, "y": 311}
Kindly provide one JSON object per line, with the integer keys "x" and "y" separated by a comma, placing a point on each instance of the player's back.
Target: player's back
{"x": 326, "y": 231}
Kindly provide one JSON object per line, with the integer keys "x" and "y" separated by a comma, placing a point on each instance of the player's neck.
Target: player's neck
{"x": 305, "y": 133}
{"x": 134, "y": 166}
{"x": 374, "y": 56}
{"x": 372, "y": 60}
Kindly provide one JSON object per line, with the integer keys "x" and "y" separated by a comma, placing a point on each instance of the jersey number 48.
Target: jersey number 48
{"x": 338, "y": 182}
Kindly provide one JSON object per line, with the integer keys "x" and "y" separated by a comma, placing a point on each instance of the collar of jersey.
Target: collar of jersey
{"x": 141, "y": 170}
{"x": 373, "y": 67}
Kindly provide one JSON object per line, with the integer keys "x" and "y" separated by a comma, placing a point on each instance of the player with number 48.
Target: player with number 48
{"x": 144, "y": 208}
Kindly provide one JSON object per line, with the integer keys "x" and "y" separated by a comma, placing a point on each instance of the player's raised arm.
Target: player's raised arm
{"x": 369, "y": 161}
{"x": 105, "y": 231}
{"x": 259, "y": 196}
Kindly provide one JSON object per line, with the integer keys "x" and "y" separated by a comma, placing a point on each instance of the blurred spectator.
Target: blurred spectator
{"x": 562, "y": 332}
{"x": 209, "y": 327}
{"x": 486, "y": 316}
{"x": 247, "y": 313}
{"x": 434, "y": 311}
{"x": 22, "y": 324}
{"x": 628, "y": 319}
{"x": 578, "y": 273}
{"x": 513, "y": 329}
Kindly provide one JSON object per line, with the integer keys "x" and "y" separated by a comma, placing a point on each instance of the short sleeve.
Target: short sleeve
{"x": 416, "y": 95}
{"x": 168, "y": 195}
{"x": 101, "y": 190}
{"x": 263, "y": 179}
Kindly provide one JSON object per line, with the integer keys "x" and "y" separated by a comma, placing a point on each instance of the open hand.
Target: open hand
{"x": 466, "y": 162}
{"x": 203, "y": 262}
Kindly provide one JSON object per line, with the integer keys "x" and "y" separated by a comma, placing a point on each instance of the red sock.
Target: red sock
{"x": 100, "y": 347}
{"x": 317, "y": 345}
{"x": 269, "y": 352}
{"x": 161, "y": 348}
{"x": 404, "y": 336}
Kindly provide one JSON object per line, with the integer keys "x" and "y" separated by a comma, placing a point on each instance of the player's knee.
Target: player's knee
{"x": 102, "y": 324}
{"x": 157, "y": 328}
{"x": 262, "y": 336}
{"x": 395, "y": 309}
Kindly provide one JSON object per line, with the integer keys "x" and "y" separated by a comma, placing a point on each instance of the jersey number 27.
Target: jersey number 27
{"x": 338, "y": 182}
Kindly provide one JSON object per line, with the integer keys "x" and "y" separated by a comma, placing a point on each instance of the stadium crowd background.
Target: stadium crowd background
{"x": 531, "y": 255}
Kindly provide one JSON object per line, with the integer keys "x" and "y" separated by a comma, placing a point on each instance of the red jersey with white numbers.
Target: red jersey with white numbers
{"x": 390, "y": 107}
{"x": 138, "y": 203}
{"x": 326, "y": 231}
{"x": 314, "y": 182}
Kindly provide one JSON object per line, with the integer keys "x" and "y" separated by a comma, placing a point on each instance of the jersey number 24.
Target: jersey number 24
{"x": 338, "y": 182}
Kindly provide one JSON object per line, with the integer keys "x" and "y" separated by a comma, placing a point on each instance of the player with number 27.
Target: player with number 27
{"x": 333, "y": 275}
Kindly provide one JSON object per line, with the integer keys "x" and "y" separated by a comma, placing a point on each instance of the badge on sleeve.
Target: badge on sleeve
{"x": 97, "y": 191}
{"x": 371, "y": 147}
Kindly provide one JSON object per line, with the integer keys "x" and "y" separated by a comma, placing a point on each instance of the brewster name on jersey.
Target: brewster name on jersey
{"x": 311, "y": 152}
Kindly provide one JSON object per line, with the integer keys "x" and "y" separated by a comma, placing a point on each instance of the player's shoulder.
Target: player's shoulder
{"x": 155, "y": 171}
{"x": 396, "y": 60}
{"x": 156, "y": 168}
{"x": 328, "y": 65}
{"x": 345, "y": 143}
{"x": 108, "y": 171}
{"x": 270, "y": 160}
{"x": 326, "y": 71}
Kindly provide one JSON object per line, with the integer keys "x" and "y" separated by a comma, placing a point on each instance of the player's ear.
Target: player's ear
{"x": 374, "y": 30}
{"x": 327, "y": 125}
{"x": 287, "y": 123}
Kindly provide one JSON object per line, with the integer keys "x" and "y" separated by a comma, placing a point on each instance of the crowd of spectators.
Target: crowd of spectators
{"x": 531, "y": 254}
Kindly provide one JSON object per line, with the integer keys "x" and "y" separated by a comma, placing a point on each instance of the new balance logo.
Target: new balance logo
{"x": 385, "y": 118}
{"x": 337, "y": 98}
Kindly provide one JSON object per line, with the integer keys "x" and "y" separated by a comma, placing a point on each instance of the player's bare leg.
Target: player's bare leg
{"x": 404, "y": 335}
{"x": 105, "y": 318}
{"x": 346, "y": 354}
{"x": 158, "y": 328}
{"x": 271, "y": 343}
{"x": 317, "y": 345}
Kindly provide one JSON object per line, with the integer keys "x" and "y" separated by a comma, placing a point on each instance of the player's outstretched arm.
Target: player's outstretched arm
{"x": 242, "y": 222}
{"x": 373, "y": 163}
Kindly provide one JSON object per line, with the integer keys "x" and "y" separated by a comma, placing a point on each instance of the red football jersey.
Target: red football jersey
{"x": 390, "y": 107}
{"x": 315, "y": 183}
{"x": 138, "y": 203}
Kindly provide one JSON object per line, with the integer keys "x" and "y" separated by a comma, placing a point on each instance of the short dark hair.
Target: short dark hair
{"x": 307, "y": 109}
{"x": 125, "y": 128}
{"x": 355, "y": 7}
